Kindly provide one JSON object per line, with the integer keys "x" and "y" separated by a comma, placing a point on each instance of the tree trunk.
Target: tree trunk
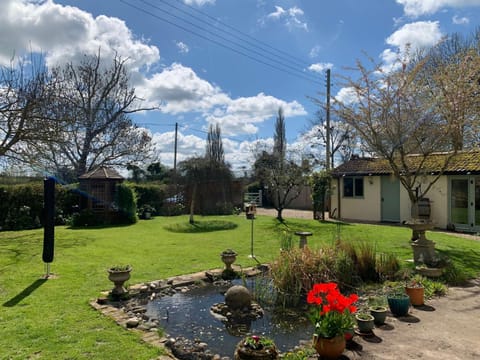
{"x": 192, "y": 203}
{"x": 279, "y": 214}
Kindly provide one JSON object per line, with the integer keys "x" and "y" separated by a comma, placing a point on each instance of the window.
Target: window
{"x": 353, "y": 186}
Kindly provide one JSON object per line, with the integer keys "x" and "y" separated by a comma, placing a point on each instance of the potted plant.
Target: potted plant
{"x": 378, "y": 309}
{"x": 399, "y": 303}
{"x": 332, "y": 316}
{"x": 118, "y": 275}
{"x": 256, "y": 347}
{"x": 365, "y": 322}
{"x": 415, "y": 290}
{"x": 146, "y": 212}
{"x": 228, "y": 257}
{"x": 379, "y": 314}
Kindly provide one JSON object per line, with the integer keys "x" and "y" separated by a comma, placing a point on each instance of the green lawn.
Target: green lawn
{"x": 52, "y": 319}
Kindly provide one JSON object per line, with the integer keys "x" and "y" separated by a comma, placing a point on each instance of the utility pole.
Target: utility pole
{"x": 328, "y": 146}
{"x": 175, "y": 162}
{"x": 175, "y": 151}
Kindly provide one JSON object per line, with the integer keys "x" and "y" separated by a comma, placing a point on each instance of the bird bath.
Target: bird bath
{"x": 188, "y": 314}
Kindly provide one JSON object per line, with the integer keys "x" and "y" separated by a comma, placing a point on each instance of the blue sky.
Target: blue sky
{"x": 193, "y": 58}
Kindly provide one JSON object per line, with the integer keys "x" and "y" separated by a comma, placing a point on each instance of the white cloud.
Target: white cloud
{"x": 415, "y": 8}
{"x": 65, "y": 33}
{"x": 199, "y": 2}
{"x": 278, "y": 13}
{"x": 347, "y": 95}
{"x": 408, "y": 39}
{"x": 320, "y": 67}
{"x": 291, "y": 16}
{"x": 315, "y": 51}
{"x": 460, "y": 20}
{"x": 182, "y": 47}
{"x": 187, "y": 146}
{"x": 178, "y": 89}
{"x": 417, "y": 35}
{"x": 240, "y": 116}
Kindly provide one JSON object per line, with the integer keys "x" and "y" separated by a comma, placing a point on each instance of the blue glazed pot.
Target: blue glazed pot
{"x": 399, "y": 304}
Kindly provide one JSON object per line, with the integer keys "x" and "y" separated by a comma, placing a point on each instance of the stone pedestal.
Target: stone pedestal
{"x": 303, "y": 237}
{"x": 423, "y": 251}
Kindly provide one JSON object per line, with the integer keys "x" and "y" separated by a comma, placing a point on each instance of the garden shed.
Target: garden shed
{"x": 365, "y": 189}
{"x": 98, "y": 191}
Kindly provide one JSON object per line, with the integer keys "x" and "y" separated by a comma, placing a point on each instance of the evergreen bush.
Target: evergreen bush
{"x": 126, "y": 202}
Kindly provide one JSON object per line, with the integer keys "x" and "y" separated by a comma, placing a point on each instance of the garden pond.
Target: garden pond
{"x": 187, "y": 314}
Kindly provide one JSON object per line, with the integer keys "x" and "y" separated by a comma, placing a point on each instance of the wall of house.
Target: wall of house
{"x": 366, "y": 208}
{"x": 438, "y": 196}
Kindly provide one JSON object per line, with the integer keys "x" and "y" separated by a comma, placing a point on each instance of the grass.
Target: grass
{"x": 51, "y": 319}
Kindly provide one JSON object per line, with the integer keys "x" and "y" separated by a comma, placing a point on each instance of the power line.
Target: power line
{"x": 255, "y": 42}
{"x": 219, "y": 43}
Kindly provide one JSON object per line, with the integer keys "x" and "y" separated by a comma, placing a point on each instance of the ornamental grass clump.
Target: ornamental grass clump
{"x": 331, "y": 312}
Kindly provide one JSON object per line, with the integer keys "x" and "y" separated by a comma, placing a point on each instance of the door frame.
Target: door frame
{"x": 393, "y": 194}
{"x": 471, "y": 225}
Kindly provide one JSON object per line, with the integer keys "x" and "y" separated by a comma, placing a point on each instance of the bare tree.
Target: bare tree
{"x": 94, "y": 101}
{"x": 450, "y": 74}
{"x": 283, "y": 176}
{"x": 342, "y": 137}
{"x": 24, "y": 93}
{"x": 396, "y": 118}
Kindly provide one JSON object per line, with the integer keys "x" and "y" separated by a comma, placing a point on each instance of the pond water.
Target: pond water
{"x": 188, "y": 314}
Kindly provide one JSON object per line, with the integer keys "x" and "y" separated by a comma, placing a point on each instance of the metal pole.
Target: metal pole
{"x": 251, "y": 241}
{"x": 328, "y": 145}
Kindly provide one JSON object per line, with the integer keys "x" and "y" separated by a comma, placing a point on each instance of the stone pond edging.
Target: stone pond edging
{"x": 130, "y": 314}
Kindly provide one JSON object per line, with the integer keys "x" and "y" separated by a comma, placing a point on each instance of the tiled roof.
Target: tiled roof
{"x": 462, "y": 163}
{"x": 102, "y": 173}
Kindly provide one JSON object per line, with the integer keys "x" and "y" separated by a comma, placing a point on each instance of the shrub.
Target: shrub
{"x": 345, "y": 270}
{"x": 296, "y": 270}
{"x": 366, "y": 261}
{"x": 387, "y": 266}
{"x": 126, "y": 202}
{"x": 453, "y": 275}
{"x": 150, "y": 194}
{"x": 85, "y": 217}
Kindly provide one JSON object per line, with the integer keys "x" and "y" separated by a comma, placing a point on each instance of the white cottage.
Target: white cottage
{"x": 364, "y": 189}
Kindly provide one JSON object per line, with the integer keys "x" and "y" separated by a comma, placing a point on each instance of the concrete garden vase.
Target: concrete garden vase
{"x": 118, "y": 275}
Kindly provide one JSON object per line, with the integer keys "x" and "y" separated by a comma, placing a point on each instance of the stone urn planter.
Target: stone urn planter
{"x": 228, "y": 257}
{"x": 365, "y": 322}
{"x": 256, "y": 348}
{"x": 379, "y": 314}
{"x": 118, "y": 275}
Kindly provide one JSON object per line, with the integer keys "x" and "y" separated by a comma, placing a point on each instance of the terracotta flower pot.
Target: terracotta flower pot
{"x": 416, "y": 295}
{"x": 331, "y": 348}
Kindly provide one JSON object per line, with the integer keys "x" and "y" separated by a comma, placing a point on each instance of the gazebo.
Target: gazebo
{"x": 98, "y": 190}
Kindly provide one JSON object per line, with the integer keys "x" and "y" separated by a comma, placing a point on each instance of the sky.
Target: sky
{"x": 231, "y": 62}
